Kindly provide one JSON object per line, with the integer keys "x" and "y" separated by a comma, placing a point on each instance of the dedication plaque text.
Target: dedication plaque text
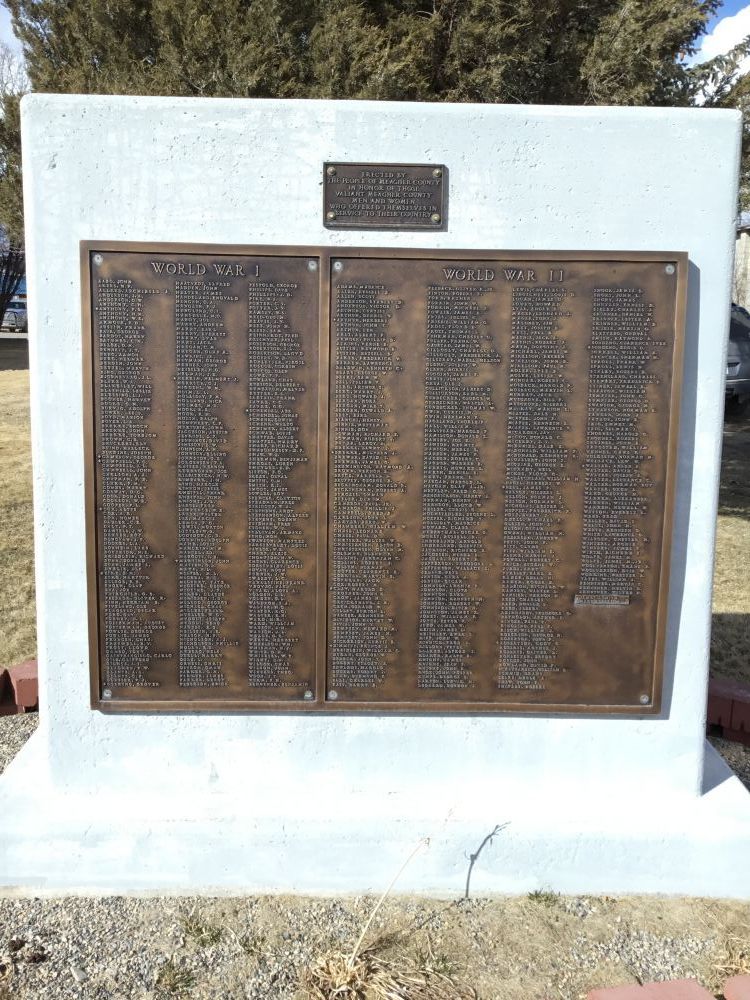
{"x": 379, "y": 479}
{"x": 384, "y": 195}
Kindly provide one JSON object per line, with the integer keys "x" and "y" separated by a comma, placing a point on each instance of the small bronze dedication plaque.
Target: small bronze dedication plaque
{"x": 384, "y": 196}
{"x": 395, "y": 480}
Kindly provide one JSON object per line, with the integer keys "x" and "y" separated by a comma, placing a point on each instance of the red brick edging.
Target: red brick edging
{"x": 736, "y": 988}
{"x": 729, "y": 709}
{"x": 19, "y": 688}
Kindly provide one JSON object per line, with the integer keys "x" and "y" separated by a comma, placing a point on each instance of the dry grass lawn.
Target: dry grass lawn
{"x": 17, "y": 626}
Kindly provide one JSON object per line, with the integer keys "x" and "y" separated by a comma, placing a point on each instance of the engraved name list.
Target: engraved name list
{"x": 333, "y": 480}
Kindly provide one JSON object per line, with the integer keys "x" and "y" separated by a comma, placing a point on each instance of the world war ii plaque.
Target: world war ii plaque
{"x": 379, "y": 479}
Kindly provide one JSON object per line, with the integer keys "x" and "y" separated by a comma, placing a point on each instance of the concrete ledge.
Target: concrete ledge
{"x": 137, "y": 840}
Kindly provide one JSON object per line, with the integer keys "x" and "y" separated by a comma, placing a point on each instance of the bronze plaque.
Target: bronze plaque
{"x": 468, "y": 508}
{"x": 500, "y": 479}
{"x": 204, "y": 390}
{"x": 384, "y": 195}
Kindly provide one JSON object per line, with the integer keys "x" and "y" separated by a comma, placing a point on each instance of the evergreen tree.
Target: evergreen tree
{"x": 505, "y": 51}
{"x": 11, "y": 193}
{"x": 13, "y": 83}
{"x": 719, "y": 83}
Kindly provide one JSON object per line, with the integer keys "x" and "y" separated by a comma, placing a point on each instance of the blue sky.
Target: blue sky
{"x": 727, "y": 29}
{"x": 727, "y": 9}
{"x": 6, "y": 35}
{"x": 730, "y": 25}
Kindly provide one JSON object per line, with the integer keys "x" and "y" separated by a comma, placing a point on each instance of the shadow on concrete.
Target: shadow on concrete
{"x": 683, "y": 485}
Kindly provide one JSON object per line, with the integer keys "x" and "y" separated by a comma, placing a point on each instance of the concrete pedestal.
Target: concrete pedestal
{"x": 249, "y": 803}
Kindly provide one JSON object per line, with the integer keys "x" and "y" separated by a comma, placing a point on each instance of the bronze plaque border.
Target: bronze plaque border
{"x": 325, "y": 256}
{"x": 376, "y": 224}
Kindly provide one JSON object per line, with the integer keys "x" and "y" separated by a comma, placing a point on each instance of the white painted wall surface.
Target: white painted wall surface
{"x": 244, "y": 802}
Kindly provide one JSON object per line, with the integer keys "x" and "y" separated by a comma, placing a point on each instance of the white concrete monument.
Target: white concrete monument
{"x": 182, "y": 802}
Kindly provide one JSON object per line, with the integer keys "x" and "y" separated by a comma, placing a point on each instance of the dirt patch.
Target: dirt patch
{"x": 544, "y": 946}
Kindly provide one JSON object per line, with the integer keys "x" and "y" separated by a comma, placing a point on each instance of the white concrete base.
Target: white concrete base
{"x": 239, "y": 803}
{"x": 112, "y": 841}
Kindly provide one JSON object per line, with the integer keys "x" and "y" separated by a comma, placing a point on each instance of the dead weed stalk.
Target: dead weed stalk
{"x": 365, "y": 975}
{"x": 372, "y": 977}
{"x": 732, "y": 956}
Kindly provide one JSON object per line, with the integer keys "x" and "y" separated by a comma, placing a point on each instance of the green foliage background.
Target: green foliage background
{"x": 505, "y": 51}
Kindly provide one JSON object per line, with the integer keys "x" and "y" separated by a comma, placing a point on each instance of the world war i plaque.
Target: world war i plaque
{"x": 380, "y": 479}
{"x": 204, "y": 375}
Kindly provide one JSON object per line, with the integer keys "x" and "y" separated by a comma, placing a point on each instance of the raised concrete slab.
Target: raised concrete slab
{"x": 243, "y": 802}
{"x": 340, "y": 838}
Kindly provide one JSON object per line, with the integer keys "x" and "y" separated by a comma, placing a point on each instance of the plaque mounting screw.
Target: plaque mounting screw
{"x": 308, "y": 696}
{"x": 333, "y": 695}
{"x": 330, "y": 171}
{"x": 338, "y": 266}
{"x": 330, "y": 215}
{"x": 98, "y": 259}
{"x": 644, "y": 699}
{"x": 435, "y": 217}
{"x": 312, "y": 265}
{"x": 669, "y": 268}
{"x": 106, "y": 693}
{"x": 437, "y": 172}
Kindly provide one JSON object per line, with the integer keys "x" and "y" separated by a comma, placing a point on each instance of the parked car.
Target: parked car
{"x": 15, "y": 316}
{"x": 737, "y": 390}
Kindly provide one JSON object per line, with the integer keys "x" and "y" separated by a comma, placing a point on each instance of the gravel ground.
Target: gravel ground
{"x": 543, "y": 946}
{"x": 737, "y": 756}
{"x": 14, "y": 731}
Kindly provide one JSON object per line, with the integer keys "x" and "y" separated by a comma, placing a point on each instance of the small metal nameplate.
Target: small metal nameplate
{"x": 384, "y": 195}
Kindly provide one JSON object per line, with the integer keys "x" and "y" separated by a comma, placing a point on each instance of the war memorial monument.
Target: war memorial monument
{"x": 376, "y": 454}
